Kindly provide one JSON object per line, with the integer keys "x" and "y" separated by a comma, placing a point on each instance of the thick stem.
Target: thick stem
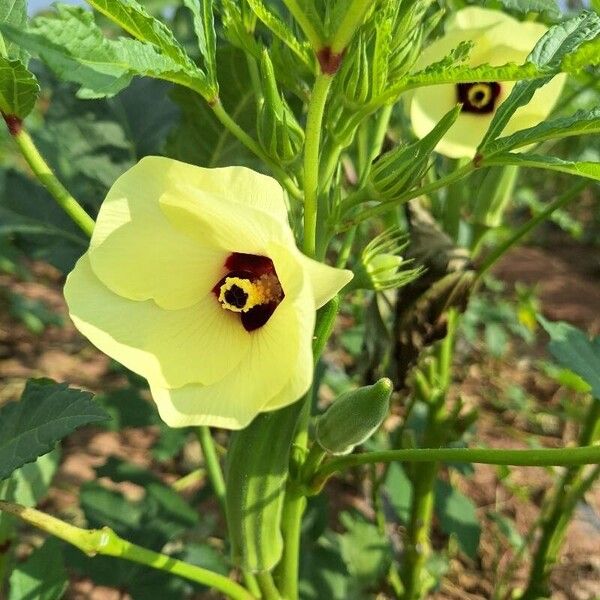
{"x": 295, "y": 500}
{"x": 106, "y": 542}
{"x": 558, "y": 514}
{"x": 44, "y": 173}
{"x": 291, "y": 523}
{"x": 417, "y": 546}
{"x": 312, "y": 144}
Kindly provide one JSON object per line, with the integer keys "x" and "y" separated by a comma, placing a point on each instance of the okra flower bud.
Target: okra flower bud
{"x": 381, "y": 266}
{"x": 353, "y": 417}
{"x": 278, "y": 131}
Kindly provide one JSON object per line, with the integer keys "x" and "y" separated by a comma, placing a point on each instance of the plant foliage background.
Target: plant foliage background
{"x": 102, "y": 106}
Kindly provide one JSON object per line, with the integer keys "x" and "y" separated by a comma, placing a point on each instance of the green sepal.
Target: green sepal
{"x": 257, "y": 471}
{"x": 353, "y": 417}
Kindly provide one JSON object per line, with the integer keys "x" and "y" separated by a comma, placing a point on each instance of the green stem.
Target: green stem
{"x": 417, "y": 542}
{"x": 386, "y": 205}
{"x": 417, "y": 546}
{"x": 188, "y": 480}
{"x": 567, "y": 492}
{"x": 312, "y": 144}
{"x": 381, "y": 127}
{"x": 545, "y": 457}
{"x": 352, "y": 20}
{"x": 235, "y": 130}
{"x": 106, "y": 542}
{"x": 44, "y": 173}
{"x": 211, "y": 462}
{"x": 572, "y": 193}
{"x": 291, "y": 524}
{"x": 295, "y": 500}
{"x": 267, "y": 586}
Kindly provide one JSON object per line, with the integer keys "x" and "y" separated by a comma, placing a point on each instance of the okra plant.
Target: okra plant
{"x": 325, "y": 156}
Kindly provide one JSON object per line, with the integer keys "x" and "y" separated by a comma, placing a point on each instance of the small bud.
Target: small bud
{"x": 353, "y": 417}
{"x": 400, "y": 169}
{"x": 278, "y": 131}
{"x": 354, "y": 76}
{"x": 381, "y": 266}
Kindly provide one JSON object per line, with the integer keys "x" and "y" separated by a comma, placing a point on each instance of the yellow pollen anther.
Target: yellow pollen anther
{"x": 240, "y": 295}
{"x": 479, "y": 94}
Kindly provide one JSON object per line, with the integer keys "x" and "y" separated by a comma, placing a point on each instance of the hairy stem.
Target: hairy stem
{"x": 312, "y": 144}
{"x": 295, "y": 499}
{"x": 106, "y": 542}
{"x": 48, "y": 179}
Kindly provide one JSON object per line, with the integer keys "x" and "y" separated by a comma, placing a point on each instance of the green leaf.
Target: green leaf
{"x": 507, "y": 528}
{"x": 43, "y": 230}
{"x": 127, "y": 408}
{"x": 18, "y": 88}
{"x": 42, "y": 576}
{"x": 13, "y": 12}
{"x": 46, "y": 413}
{"x": 133, "y": 18}
{"x": 457, "y": 517}
{"x": 590, "y": 170}
{"x": 323, "y": 572}
{"x": 76, "y": 50}
{"x": 400, "y": 490}
{"x": 549, "y": 7}
{"x": 574, "y": 350}
{"x": 204, "y": 26}
{"x": 548, "y": 54}
{"x": 31, "y": 482}
{"x": 366, "y": 553}
{"x": 587, "y": 54}
{"x": 583, "y": 122}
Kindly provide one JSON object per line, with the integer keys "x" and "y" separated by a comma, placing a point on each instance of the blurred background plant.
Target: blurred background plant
{"x": 467, "y": 362}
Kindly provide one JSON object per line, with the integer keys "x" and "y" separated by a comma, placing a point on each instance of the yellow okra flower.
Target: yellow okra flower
{"x": 194, "y": 281}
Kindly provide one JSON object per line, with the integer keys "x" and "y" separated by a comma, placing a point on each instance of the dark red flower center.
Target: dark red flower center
{"x": 251, "y": 288}
{"x": 478, "y": 98}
